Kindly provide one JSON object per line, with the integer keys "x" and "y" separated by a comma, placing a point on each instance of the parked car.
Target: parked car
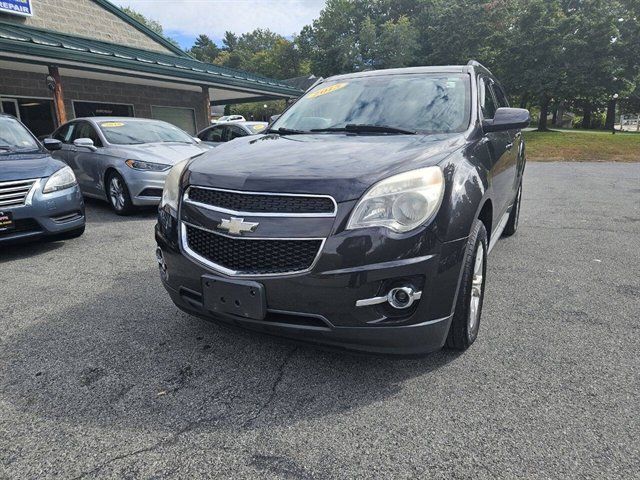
{"x": 223, "y": 132}
{"x": 229, "y": 118}
{"x": 39, "y": 196}
{"x": 123, "y": 160}
{"x": 362, "y": 218}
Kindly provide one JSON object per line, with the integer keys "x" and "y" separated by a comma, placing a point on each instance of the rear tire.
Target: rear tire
{"x": 118, "y": 194}
{"x": 465, "y": 323}
{"x": 514, "y": 215}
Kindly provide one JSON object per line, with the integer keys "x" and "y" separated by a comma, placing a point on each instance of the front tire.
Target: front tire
{"x": 465, "y": 323}
{"x": 118, "y": 194}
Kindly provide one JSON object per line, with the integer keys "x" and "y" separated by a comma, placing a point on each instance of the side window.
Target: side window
{"x": 501, "y": 98}
{"x": 65, "y": 132}
{"x": 487, "y": 104}
{"x": 212, "y": 135}
{"x": 236, "y": 132}
{"x": 86, "y": 130}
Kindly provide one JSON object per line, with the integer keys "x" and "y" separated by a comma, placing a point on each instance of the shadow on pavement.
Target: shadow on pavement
{"x": 127, "y": 358}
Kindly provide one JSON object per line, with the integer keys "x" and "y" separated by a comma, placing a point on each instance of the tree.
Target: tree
{"x": 204, "y": 49}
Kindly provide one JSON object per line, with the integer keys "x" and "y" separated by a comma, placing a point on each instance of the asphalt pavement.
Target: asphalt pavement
{"x": 102, "y": 377}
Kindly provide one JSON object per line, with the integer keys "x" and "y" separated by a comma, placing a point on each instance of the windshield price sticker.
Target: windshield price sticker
{"x": 325, "y": 90}
{"x": 257, "y": 128}
{"x": 112, "y": 124}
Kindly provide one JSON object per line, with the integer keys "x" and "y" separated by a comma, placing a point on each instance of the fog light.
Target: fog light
{"x": 402, "y": 297}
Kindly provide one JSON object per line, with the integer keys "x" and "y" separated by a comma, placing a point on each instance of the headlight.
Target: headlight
{"x": 63, "y": 178}
{"x": 171, "y": 191}
{"x": 402, "y": 202}
{"x": 140, "y": 165}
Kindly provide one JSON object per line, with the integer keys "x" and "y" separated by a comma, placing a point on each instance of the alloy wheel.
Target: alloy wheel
{"x": 476, "y": 290}
{"x": 116, "y": 193}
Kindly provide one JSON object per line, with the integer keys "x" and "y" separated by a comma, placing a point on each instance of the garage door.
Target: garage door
{"x": 184, "y": 118}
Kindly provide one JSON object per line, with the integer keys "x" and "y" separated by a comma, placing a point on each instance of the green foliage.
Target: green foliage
{"x": 204, "y": 49}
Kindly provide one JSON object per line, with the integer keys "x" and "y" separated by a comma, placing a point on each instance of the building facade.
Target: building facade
{"x": 77, "y": 58}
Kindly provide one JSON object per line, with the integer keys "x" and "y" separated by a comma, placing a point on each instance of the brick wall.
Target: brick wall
{"x": 29, "y": 84}
{"x": 87, "y": 19}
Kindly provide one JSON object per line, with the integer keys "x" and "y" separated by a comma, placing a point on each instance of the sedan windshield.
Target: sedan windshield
{"x": 390, "y": 104}
{"x": 122, "y": 132}
{"x": 13, "y": 136}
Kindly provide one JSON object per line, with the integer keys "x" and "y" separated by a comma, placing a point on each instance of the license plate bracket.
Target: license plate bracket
{"x": 6, "y": 221}
{"x": 243, "y": 298}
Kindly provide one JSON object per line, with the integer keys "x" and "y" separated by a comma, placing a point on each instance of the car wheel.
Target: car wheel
{"x": 512, "y": 223}
{"x": 118, "y": 194}
{"x": 466, "y": 317}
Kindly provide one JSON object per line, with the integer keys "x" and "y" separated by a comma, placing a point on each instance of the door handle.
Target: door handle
{"x": 518, "y": 134}
{"x": 509, "y": 146}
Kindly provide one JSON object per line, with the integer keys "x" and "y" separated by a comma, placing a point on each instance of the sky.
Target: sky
{"x": 184, "y": 20}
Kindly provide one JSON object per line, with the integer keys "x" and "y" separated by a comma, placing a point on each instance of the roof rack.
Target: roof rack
{"x": 475, "y": 63}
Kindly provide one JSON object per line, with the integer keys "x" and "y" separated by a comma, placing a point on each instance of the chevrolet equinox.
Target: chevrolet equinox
{"x": 361, "y": 218}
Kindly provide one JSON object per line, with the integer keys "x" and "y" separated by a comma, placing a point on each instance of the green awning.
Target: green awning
{"x": 34, "y": 45}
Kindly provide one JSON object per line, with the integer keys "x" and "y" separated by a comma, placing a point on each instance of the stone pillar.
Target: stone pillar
{"x": 58, "y": 96}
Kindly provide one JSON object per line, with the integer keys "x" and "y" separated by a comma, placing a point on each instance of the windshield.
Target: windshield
{"x": 13, "y": 136}
{"x": 122, "y": 132}
{"x": 423, "y": 103}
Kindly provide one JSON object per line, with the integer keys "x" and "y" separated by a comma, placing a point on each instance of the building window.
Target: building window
{"x": 184, "y": 118}
{"x": 99, "y": 109}
{"x": 36, "y": 113}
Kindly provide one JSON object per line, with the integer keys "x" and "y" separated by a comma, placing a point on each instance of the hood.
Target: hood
{"x": 167, "y": 153}
{"x": 340, "y": 165}
{"x": 22, "y": 166}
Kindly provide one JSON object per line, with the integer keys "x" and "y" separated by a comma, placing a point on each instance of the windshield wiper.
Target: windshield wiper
{"x": 287, "y": 131}
{"x": 360, "y": 127}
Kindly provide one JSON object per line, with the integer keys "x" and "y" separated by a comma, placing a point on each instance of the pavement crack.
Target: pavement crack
{"x": 274, "y": 388}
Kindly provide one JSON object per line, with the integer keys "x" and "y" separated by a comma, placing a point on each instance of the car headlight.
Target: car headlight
{"x": 171, "y": 191}
{"x": 149, "y": 166}
{"x": 402, "y": 202}
{"x": 63, "y": 178}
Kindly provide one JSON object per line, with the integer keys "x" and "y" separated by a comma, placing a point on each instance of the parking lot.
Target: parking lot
{"x": 101, "y": 376}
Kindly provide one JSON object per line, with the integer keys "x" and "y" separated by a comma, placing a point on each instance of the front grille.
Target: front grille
{"x": 253, "y": 257}
{"x": 14, "y": 194}
{"x": 262, "y": 203}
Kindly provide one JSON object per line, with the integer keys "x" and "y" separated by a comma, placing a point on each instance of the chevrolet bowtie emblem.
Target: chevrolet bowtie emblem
{"x": 237, "y": 226}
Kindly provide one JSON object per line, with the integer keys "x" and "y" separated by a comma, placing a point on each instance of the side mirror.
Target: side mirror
{"x": 85, "y": 142}
{"x": 507, "y": 119}
{"x": 197, "y": 140}
{"x": 52, "y": 144}
{"x": 273, "y": 118}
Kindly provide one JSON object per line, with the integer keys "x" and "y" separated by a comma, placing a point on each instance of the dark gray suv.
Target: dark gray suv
{"x": 362, "y": 218}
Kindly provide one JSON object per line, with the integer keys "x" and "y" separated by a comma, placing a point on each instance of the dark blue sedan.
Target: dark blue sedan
{"x": 39, "y": 196}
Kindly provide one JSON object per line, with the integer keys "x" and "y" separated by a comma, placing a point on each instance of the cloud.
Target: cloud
{"x": 189, "y": 18}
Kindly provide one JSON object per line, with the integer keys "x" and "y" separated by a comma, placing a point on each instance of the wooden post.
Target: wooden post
{"x": 207, "y": 104}
{"x": 58, "y": 96}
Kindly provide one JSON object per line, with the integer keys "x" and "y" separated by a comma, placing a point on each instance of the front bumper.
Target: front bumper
{"x": 145, "y": 187}
{"x": 320, "y": 305}
{"x": 46, "y": 215}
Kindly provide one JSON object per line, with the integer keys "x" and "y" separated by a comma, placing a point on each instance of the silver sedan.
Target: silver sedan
{"x": 123, "y": 160}
{"x": 224, "y": 132}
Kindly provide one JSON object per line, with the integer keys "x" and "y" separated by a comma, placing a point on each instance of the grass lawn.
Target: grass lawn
{"x": 582, "y": 146}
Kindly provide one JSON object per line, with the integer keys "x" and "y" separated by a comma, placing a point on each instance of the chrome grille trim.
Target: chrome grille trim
{"x": 186, "y": 199}
{"x": 17, "y": 193}
{"x": 235, "y": 273}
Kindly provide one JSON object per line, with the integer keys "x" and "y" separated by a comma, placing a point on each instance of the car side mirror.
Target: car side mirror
{"x": 52, "y": 144}
{"x": 197, "y": 140}
{"x": 85, "y": 142}
{"x": 507, "y": 119}
{"x": 273, "y": 118}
